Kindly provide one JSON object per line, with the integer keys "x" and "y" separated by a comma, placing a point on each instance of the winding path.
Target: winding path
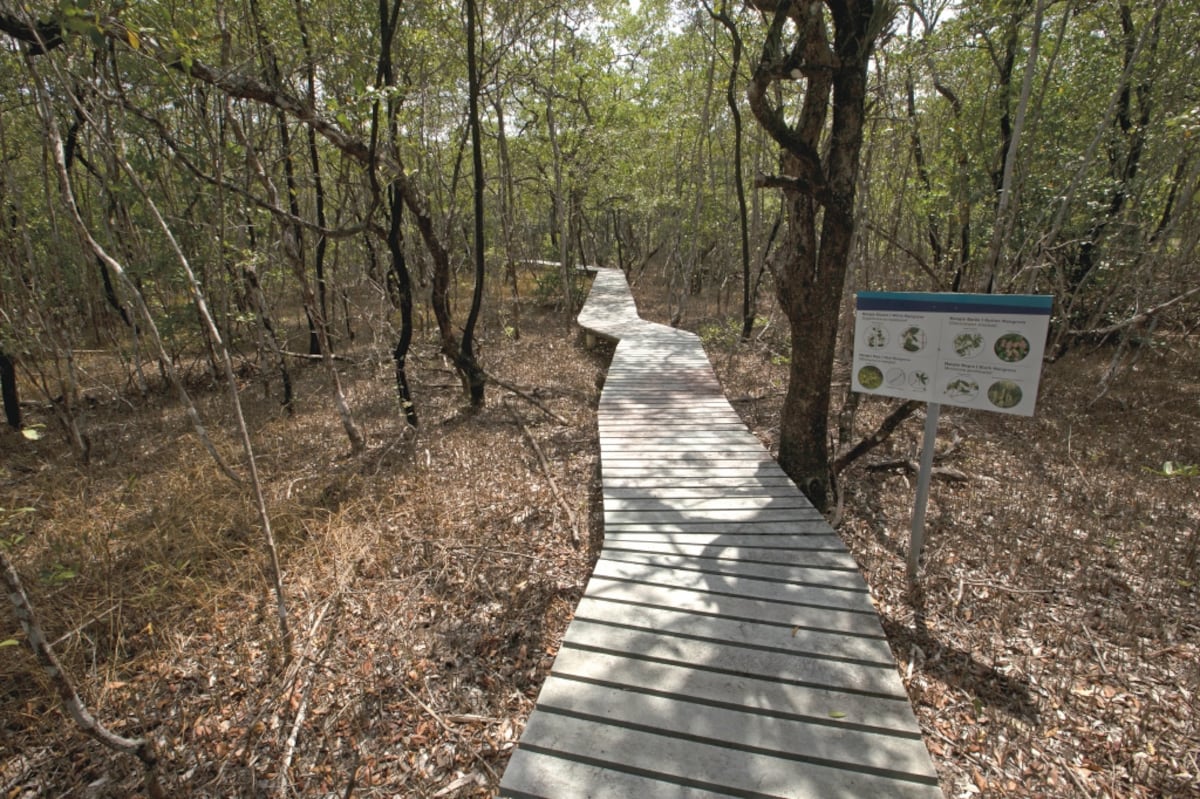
{"x": 726, "y": 644}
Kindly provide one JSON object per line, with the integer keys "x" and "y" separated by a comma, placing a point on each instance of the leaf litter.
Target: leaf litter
{"x": 1053, "y": 650}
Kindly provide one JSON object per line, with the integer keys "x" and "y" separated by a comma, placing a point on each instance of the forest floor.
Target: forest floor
{"x": 1054, "y": 651}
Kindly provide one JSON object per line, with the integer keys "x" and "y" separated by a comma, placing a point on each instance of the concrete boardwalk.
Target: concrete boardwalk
{"x": 726, "y": 644}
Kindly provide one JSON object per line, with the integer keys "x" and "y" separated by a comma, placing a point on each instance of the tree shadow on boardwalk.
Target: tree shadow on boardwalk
{"x": 733, "y": 655}
{"x": 756, "y": 636}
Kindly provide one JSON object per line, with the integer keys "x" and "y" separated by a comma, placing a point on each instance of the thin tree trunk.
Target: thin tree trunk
{"x": 315, "y": 161}
{"x": 399, "y": 279}
{"x": 8, "y": 388}
{"x": 68, "y": 193}
{"x": 1005, "y": 214}
{"x": 749, "y": 298}
{"x": 296, "y": 260}
{"x": 258, "y": 303}
{"x": 507, "y": 196}
{"x": 477, "y": 381}
{"x": 214, "y": 337}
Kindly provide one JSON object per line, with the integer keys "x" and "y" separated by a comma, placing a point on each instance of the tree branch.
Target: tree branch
{"x": 1138, "y": 318}
{"x": 881, "y": 434}
{"x": 42, "y": 37}
{"x": 140, "y": 748}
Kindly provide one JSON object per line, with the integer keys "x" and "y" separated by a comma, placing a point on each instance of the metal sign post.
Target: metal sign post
{"x": 932, "y": 411}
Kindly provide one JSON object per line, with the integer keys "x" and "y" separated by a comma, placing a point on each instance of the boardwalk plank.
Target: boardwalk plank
{"x": 726, "y": 645}
{"x": 744, "y": 587}
{"x": 713, "y": 763}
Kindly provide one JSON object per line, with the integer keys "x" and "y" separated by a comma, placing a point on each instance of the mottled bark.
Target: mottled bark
{"x": 829, "y": 49}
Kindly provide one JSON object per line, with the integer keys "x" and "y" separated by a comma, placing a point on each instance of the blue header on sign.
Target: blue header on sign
{"x": 926, "y": 302}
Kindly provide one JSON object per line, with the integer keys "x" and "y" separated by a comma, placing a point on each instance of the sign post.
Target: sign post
{"x": 981, "y": 351}
{"x": 932, "y": 411}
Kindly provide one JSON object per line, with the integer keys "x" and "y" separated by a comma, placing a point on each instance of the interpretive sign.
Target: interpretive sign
{"x": 979, "y": 351}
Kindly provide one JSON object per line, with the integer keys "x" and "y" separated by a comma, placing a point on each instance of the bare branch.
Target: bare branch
{"x": 140, "y": 748}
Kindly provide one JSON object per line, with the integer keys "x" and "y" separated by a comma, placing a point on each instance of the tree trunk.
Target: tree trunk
{"x": 749, "y": 297}
{"x": 8, "y": 388}
{"x": 1004, "y": 202}
{"x": 475, "y": 377}
{"x": 819, "y": 183}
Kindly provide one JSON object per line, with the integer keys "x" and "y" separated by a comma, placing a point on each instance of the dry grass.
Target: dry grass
{"x": 428, "y": 579}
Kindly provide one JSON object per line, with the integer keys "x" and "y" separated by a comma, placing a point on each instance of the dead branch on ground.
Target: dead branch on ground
{"x": 537, "y": 449}
{"x": 530, "y": 399}
{"x": 141, "y": 748}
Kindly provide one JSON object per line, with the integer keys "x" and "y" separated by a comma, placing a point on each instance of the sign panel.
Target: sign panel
{"x": 980, "y": 351}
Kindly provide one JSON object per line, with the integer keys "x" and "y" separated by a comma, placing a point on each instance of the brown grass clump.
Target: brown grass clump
{"x": 428, "y": 579}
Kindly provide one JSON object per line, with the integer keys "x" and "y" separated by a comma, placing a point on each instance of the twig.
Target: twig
{"x": 29, "y": 766}
{"x": 309, "y": 357}
{"x": 575, "y": 536}
{"x": 141, "y": 748}
{"x": 80, "y": 628}
{"x": 1009, "y": 588}
{"x": 531, "y": 400}
{"x": 441, "y": 723}
{"x": 1099, "y": 657}
{"x": 289, "y": 749}
{"x": 493, "y": 550}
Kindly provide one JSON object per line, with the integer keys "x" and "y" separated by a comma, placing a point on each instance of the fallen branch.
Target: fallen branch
{"x": 881, "y": 434}
{"x": 558, "y": 495}
{"x": 442, "y": 723}
{"x": 309, "y": 357}
{"x": 140, "y": 748}
{"x": 528, "y": 398}
{"x": 944, "y": 472}
{"x": 285, "y": 764}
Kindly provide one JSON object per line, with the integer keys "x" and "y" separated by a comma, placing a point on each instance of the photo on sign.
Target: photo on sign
{"x": 961, "y": 388}
{"x": 1004, "y": 394}
{"x": 870, "y": 377}
{"x": 1011, "y": 347}
{"x": 913, "y": 339}
{"x": 877, "y": 337}
{"x": 968, "y": 344}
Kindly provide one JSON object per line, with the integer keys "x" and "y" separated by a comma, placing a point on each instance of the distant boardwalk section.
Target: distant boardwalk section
{"x": 726, "y": 644}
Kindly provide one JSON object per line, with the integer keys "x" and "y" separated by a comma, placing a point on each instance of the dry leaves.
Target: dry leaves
{"x": 429, "y": 582}
{"x": 1055, "y": 648}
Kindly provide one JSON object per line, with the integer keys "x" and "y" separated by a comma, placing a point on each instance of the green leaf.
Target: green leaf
{"x": 1172, "y": 469}
{"x": 9, "y": 642}
{"x": 836, "y": 714}
{"x": 31, "y": 433}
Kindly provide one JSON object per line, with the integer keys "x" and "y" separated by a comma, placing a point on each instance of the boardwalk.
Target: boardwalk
{"x": 726, "y": 644}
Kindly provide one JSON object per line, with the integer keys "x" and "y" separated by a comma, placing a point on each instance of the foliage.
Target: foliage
{"x": 1172, "y": 469}
{"x": 548, "y": 286}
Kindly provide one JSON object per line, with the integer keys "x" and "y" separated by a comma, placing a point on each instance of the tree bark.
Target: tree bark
{"x": 475, "y": 378}
{"x": 820, "y": 155}
{"x": 1004, "y": 202}
{"x": 8, "y": 388}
